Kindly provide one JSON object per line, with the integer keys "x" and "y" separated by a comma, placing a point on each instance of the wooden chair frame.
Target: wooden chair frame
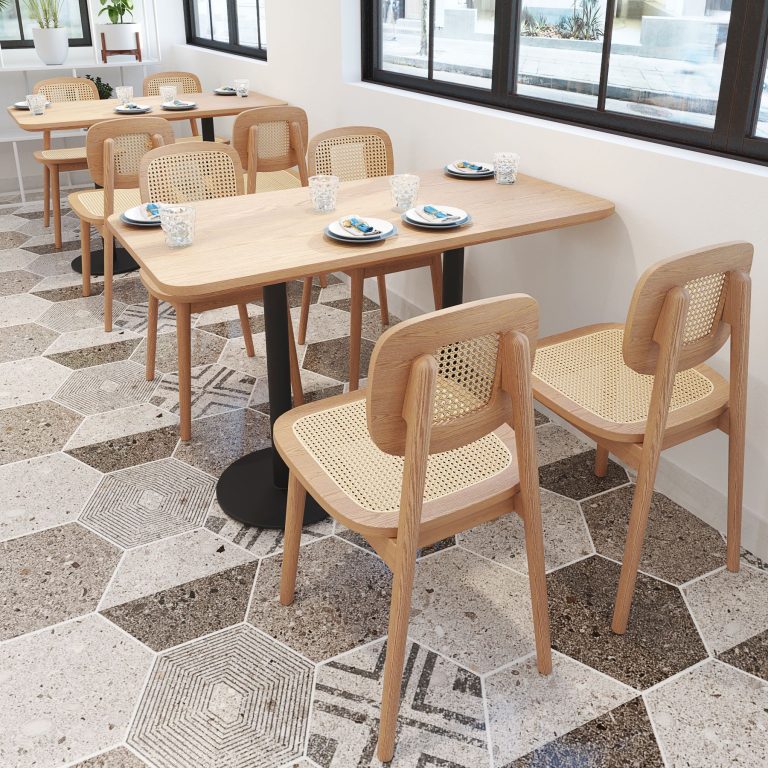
{"x": 654, "y": 343}
{"x": 400, "y": 404}
{"x": 379, "y": 271}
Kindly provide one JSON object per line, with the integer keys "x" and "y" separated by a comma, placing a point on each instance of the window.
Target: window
{"x": 236, "y": 26}
{"x": 686, "y": 72}
{"x": 16, "y": 24}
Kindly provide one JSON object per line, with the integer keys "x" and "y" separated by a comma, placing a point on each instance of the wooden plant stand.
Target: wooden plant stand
{"x": 130, "y": 52}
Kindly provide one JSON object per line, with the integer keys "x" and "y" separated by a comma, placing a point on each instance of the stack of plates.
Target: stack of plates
{"x": 132, "y": 109}
{"x": 456, "y": 217}
{"x": 382, "y": 229}
{"x": 179, "y": 106}
{"x": 225, "y": 90}
{"x": 461, "y": 171}
{"x": 140, "y": 217}
{"x": 24, "y": 105}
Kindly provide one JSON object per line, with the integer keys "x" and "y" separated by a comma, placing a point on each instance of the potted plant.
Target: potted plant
{"x": 51, "y": 39}
{"x": 119, "y": 34}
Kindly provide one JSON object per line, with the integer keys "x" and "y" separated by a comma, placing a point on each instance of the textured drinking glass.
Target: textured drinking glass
{"x": 405, "y": 188}
{"x": 242, "y": 87}
{"x": 505, "y": 165}
{"x": 168, "y": 93}
{"x": 322, "y": 190}
{"x": 124, "y": 94}
{"x": 178, "y": 223}
{"x": 36, "y": 103}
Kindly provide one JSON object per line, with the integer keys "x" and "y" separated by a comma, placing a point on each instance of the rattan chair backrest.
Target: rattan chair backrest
{"x": 354, "y": 153}
{"x": 185, "y": 82}
{"x": 275, "y": 148}
{"x": 470, "y": 345}
{"x": 57, "y": 89}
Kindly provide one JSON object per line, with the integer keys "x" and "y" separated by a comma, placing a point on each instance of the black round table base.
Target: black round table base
{"x": 123, "y": 263}
{"x": 246, "y": 493}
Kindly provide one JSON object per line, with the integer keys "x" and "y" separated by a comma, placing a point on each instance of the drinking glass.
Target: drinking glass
{"x": 505, "y": 165}
{"x": 405, "y": 188}
{"x": 242, "y": 87}
{"x": 37, "y": 102}
{"x": 322, "y": 190}
{"x": 168, "y": 93}
{"x": 178, "y": 223}
{"x": 124, "y": 94}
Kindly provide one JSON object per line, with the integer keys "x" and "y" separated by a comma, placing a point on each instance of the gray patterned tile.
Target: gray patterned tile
{"x": 15, "y": 258}
{"x": 34, "y": 429}
{"x": 128, "y": 289}
{"x": 88, "y": 357}
{"x": 17, "y": 282}
{"x": 225, "y": 322}
{"x": 554, "y": 443}
{"x": 234, "y": 356}
{"x": 206, "y": 348}
{"x": 441, "y": 720}
{"x": 52, "y": 576}
{"x": 234, "y": 698}
{"x": 331, "y": 358}
{"x": 325, "y": 322}
{"x": 29, "y": 380}
{"x": 751, "y": 655}
{"x": 67, "y": 292}
{"x": 28, "y": 340}
{"x": 10, "y": 240}
{"x": 134, "y": 318}
{"x": 21, "y": 308}
{"x": 372, "y": 325}
{"x": 141, "y": 504}
{"x": 115, "y": 758}
{"x": 78, "y": 314}
{"x": 88, "y": 339}
{"x": 51, "y": 262}
{"x": 112, "y": 425}
{"x": 575, "y": 477}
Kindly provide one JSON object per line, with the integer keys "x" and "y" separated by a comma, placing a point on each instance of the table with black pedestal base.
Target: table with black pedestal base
{"x": 253, "y": 490}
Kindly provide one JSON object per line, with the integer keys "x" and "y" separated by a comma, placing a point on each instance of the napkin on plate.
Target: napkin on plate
{"x": 463, "y": 165}
{"x": 357, "y": 227}
{"x": 152, "y": 210}
{"x": 435, "y": 215}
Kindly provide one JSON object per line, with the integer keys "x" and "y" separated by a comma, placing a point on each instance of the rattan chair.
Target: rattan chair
{"x": 442, "y": 441}
{"x": 114, "y": 150}
{"x": 58, "y": 161}
{"x": 185, "y": 173}
{"x": 185, "y": 82}
{"x": 352, "y": 154}
{"x": 639, "y": 388}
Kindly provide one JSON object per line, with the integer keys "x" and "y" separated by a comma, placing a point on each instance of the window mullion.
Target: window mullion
{"x": 602, "y": 88}
{"x": 234, "y": 30}
{"x": 19, "y": 20}
{"x": 504, "y": 34}
{"x": 431, "y": 43}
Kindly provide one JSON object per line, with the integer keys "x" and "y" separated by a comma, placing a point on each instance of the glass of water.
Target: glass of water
{"x": 242, "y": 87}
{"x": 322, "y": 190}
{"x": 168, "y": 93}
{"x": 505, "y": 165}
{"x": 124, "y": 94}
{"x": 405, "y": 188}
{"x": 36, "y": 103}
{"x": 178, "y": 223}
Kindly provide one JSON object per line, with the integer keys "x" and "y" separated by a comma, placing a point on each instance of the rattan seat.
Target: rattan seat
{"x": 89, "y": 205}
{"x": 64, "y": 155}
{"x": 274, "y": 181}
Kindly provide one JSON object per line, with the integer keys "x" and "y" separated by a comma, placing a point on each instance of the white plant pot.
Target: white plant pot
{"x": 52, "y": 45}
{"x": 120, "y": 37}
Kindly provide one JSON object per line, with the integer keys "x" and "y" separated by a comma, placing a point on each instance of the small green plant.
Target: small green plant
{"x": 116, "y": 9}
{"x": 45, "y": 13}
{"x": 105, "y": 89}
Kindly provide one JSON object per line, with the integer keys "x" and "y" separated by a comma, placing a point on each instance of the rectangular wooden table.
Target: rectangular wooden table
{"x": 273, "y": 237}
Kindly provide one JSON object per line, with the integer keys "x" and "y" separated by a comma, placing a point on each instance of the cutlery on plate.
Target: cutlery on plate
{"x": 433, "y": 215}
{"x": 358, "y": 227}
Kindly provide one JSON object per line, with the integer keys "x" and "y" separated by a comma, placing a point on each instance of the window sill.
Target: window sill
{"x": 221, "y": 54}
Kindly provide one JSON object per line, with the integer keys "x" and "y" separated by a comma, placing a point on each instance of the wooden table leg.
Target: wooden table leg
{"x": 184, "y": 341}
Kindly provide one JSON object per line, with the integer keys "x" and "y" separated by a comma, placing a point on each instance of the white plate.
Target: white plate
{"x": 225, "y": 92}
{"x": 24, "y": 105}
{"x": 125, "y": 111}
{"x": 487, "y": 169}
{"x": 139, "y": 215}
{"x": 384, "y": 227}
{"x": 179, "y": 107}
{"x": 413, "y": 216}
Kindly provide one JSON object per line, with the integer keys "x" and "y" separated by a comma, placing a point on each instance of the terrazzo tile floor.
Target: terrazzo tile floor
{"x": 140, "y": 626}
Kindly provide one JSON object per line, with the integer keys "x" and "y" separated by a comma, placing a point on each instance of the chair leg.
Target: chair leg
{"x": 355, "y": 328}
{"x": 736, "y": 439}
{"x": 436, "y": 273}
{"x": 323, "y": 281}
{"x": 296, "y": 386}
{"x": 381, "y": 282}
{"x": 56, "y": 204}
{"x": 152, "y": 337}
{"x": 85, "y": 253}
{"x": 109, "y": 250}
{"x": 601, "y": 461}
{"x": 46, "y": 196}
{"x": 184, "y": 341}
{"x": 306, "y": 301}
{"x": 294, "y": 519}
{"x": 246, "y": 325}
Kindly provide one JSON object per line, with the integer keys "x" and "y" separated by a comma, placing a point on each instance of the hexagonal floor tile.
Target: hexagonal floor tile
{"x": 27, "y": 340}
{"x": 574, "y": 476}
{"x": 134, "y": 318}
{"x": 21, "y": 308}
{"x": 29, "y": 380}
{"x": 206, "y": 348}
{"x": 34, "y": 430}
{"x": 17, "y": 281}
{"x": 115, "y": 758}
{"x": 331, "y": 358}
{"x": 78, "y": 314}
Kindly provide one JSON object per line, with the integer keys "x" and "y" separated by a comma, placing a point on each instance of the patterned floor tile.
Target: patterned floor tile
{"x": 325, "y": 322}
{"x": 65, "y": 292}
{"x": 17, "y": 281}
{"x": 313, "y": 385}
{"x": 206, "y": 348}
{"x": 215, "y": 389}
{"x": 358, "y": 540}
{"x": 217, "y": 441}
{"x": 28, "y": 340}
{"x": 15, "y": 258}
{"x": 43, "y": 492}
{"x": 29, "y": 380}
{"x": 225, "y": 322}
{"x": 149, "y": 502}
{"x": 471, "y": 610}
{"x": 98, "y": 355}
{"x": 260, "y": 541}
{"x": 751, "y": 655}
{"x": 373, "y": 327}
{"x": 331, "y": 358}
{"x": 9, "y": 222}
{"x": 678, "y": 546}
{"x": 236, "y": 698}
{"x": 729, "y": 607}
{"x": 728, "y": 725}
{"x": 555, "y": 443}
{"x": 12, "y": 240}
{"x": 35, "y": 429}
{"x": 129, "y": 289}
{"x": 89, "y": 338}
{"x": 621, "y": 738}
{"x": 342, "y": 600}
{"x": 565, "y": 536}
{"x": 345, "y": 303}
{"x": 441, "y": 720}
{"x": 21, "y": 308}
{"x": 106, "y": 387}
{"x": 50, "y": 262}
{"x": 575, "y": 477}
{"x": 187, "y": 611}
{"x": 134, "y": 318}
{"x": 78, "y": 314}
{"x": 52, "y": 576}
{"x": 115, "y": 758}
{"x": 234, "y": 356}
{"x": 527, "y": 709}
{"x": 661, "y": 639}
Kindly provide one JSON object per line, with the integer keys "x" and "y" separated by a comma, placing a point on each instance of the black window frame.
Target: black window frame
{"x": 233, "y": 45}
{"x": 738, "y": 103}
{"x": 76, "y": 42}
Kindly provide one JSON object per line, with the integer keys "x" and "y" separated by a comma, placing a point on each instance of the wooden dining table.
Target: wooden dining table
{"x": 274, "y": 237}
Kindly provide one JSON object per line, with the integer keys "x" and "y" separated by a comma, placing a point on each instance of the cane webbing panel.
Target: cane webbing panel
{"x": 70, "y": 154}
{"x": 274, "y": 140}
{"x": 185, "y": 83}
{"x": 93, "y": 201}
{"x": 705, "y": 293}
{"x": 274, "y": 181}
{"x": 352, "y": 157}
{"x": 76, "y": 89}
{"x": 590, "y": 371}
{"x": 191, "y": 176}
{"x": 338, "y": 440}
{"x": 129, "y": 149}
